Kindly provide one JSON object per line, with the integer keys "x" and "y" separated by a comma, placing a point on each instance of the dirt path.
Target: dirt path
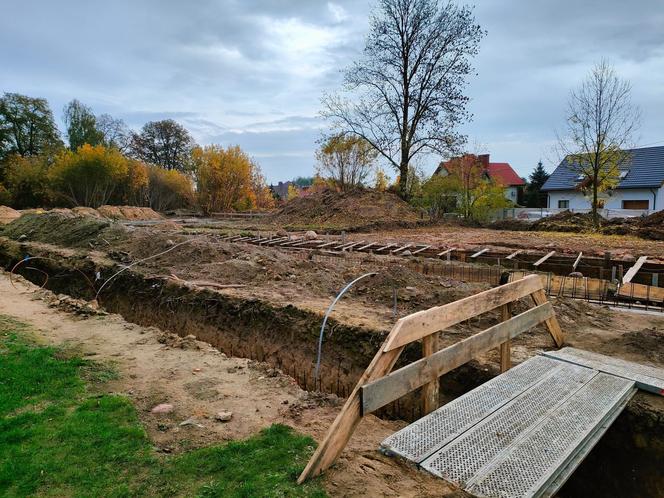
{"x": 199, "y": 381}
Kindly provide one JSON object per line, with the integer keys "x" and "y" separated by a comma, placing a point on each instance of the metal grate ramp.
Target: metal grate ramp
{"x": 521, "y": 434}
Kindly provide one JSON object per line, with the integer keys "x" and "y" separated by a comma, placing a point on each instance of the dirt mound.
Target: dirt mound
{"x": 129, "y": 213}
{"x": 62, "y": 227}
{"x": 8, "y": 215}
{"x": 86, "y": 211}
{"x": 362, "y": 208}
{"x": 566, "y": 221}
{"x": 652, "y": 227}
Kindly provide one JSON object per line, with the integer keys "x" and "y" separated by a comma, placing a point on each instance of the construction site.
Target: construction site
{"x": 409, "y": 350}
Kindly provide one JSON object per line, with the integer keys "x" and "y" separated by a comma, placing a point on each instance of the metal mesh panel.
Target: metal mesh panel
{"x": 469, "y": 453}
{"x": 427, "y": 435}
{"x": 647, "y": 377}
{"x": 536, "y": 458}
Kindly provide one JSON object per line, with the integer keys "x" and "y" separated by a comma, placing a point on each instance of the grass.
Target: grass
{"x": 59, "y": 438}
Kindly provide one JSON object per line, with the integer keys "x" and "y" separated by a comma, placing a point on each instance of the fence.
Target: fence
{"x": 537, "y": 213}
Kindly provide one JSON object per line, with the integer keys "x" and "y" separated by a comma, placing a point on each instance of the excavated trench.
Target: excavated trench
{"x": 626, "y": 462}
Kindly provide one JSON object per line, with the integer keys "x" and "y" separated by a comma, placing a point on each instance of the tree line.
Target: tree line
{"x": 102, "y": 161}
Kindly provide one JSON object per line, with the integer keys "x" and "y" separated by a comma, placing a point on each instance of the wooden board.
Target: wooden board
{"x": 480, "y": 252}
{"x": 421, "y": 324}
{"x": 543, "y": 258}
{"x": 382, "y": 391}
{"x": 641, "y": 292}
{"x": 634, "y": 269}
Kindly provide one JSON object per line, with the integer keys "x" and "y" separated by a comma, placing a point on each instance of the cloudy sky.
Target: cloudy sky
{"x": 252, "y": 72}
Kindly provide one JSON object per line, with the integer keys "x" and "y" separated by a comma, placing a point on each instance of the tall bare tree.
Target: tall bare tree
{"x": 347, "y": 159}
{"x": 601, "y": 123}
{"x": 405, "y": 95}
{"x": 164, "y": 143}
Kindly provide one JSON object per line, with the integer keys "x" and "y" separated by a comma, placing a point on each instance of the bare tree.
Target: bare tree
{"x": 115, "y": 132}
{"x": 405, "y": 95}
{"x": 347, "y": 159}
{"x": 601, "y": 123}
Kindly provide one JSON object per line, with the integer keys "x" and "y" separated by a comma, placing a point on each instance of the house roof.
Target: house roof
{"x": 644, "y": 169}
{"x": 503, "y": 173}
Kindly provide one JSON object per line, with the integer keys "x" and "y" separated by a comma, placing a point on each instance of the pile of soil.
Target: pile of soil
{"x": 7, "y": 215}
{"x": 652, "y": 227}
{"x": 566, "y": 221}
{"x": 347, "y": 210}
{"x": 129, "y": 213}
{"x": 63, "y": 227}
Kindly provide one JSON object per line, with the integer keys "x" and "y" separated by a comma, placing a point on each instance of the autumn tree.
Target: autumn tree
{"x": 169, "y": 189}
{"x": 163, "y": 143}
{"x": 26, "y": 180}
{"x": 600, "y": 126}
{"x": 346, "y": 159}
{"x": 27, "y": 127}
{"x": 81, "y": 125}
{"x": 224, "y": 178}
{"x": 405, "y": 95}
{"x": 381, "y": 181}
{"x": 88, "y": 177}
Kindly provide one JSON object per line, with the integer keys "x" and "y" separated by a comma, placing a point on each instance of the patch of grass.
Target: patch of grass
{"x": 56, "y": 439}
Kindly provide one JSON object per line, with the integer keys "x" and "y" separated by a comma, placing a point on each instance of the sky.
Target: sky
{"x": 252, "y": 72}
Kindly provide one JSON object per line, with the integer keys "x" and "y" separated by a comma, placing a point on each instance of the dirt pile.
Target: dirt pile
{"x": 347, "y": 210}
{"x": 7, "y": 215}
{"x": 566, "y": 221}
{"x": 652, "y": 227}
{"x": 63, "y": 227}
{"x": 129, "y": 213}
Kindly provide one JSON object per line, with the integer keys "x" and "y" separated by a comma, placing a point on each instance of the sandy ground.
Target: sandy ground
{"x": 199, "y": 381}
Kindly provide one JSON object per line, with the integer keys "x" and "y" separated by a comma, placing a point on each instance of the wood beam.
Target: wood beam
{"x": 514, "y": 254}
{"x": 446, "y": 251}
{"x": 423, "y": 323}
{"x": 539, "y": 297}
{"x": 430, "y": 391}
{"x": 421, "y": 249}
{"x": 403, "y": 248}
{"x": 385, "y": 247}
{"x": 543, "y": 258}
{"x": 578, "y": 260}
{"x": 631, "y": 273}
{"x": 382, "y": 391}
{"x": 479, "y": 253}
{"x": 505, "y": 347}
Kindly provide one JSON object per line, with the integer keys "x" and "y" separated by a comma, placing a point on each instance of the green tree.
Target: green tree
{"x": 164, "y": 143}
{"x": 27, "y": 181}
{"x": 27, "y": 127}
{"x": 405, "y": 95}
{"x": 81, "y": 125}
{"x": 534, "y": 196}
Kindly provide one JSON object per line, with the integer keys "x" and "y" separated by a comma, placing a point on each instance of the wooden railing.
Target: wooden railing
{"x": 378, "y": 386}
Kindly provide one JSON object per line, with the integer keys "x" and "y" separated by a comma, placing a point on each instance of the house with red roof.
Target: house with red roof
{"x": 500, "y": 173}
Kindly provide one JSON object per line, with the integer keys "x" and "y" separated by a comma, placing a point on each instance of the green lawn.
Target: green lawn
{"x": 59, "y": 438}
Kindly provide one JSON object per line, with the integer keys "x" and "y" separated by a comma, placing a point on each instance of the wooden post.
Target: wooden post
{"x": 552, "y": 323}
{"x": 505, "y": 347}
{"x": 430, "y": 391}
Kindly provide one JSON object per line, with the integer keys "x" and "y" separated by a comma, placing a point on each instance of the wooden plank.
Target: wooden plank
{"x": 552, "y": 324}
{"x": 578, "y": 260}
{"x": 421, "y": 249}
{"x": 543, "y": 258}
{"x": 430, "y": 391}
{"x": 382, "y": 391}
{"x": 385, "y": 247}
{"x": 514, "y": 254}
{"x": 403, "y": 248}
{"x": 353, "y": 245}
{"x": 446, "y": 251}
{"x": 422, "y": 323}
{"x": 328, "y": 244}
{"x": 479, "y": 253}
{"x": 350, "y": 415}
{"x": 631, "y": 273}
{"x": 366, "y": 246}
{"x": 505, "y": 347}
{"x": 642, "y": 292}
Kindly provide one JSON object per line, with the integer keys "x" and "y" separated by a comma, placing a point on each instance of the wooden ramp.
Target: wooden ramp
{"x": 524, "y": 432}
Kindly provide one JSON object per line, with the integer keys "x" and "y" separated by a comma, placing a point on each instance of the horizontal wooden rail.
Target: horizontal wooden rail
{"x": 423, "y": 323}
{"x": 393, "y": 386}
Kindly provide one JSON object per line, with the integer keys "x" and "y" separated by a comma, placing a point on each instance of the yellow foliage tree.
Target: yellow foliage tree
{"x": 293, "y": 192}
{"x": 169, "y": 189}
{"x": 26, "y": 181}
{"x": 225, "y": 178}
{"x": 88, "y": 177}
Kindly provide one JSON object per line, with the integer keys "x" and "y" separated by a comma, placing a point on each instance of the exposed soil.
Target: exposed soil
{"x": 347, "y": 210}
{"x": 8, "y": 214}
{"x": 128, "y": 213}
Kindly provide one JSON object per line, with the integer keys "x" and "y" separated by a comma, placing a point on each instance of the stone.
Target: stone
{"x": 406, "y": 253}
{"x": 282, "y": 233}
{"x": 191, "y": 421}
{"x": 576, "y": 274}
{"x": 223, "y": 416}
{"x": 310, "y": 235}
{"x": 162, "y": 408}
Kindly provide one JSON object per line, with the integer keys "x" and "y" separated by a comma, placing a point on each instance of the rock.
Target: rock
{"x": 162, "y": 408}
{"x": 191, "y": 421}
{"x": 169, "y": 242}
{"x": 576, "y": 274}
{"x": 310, "y": 235}
{"x": 282, "y": 233}
{"x": 22, "y": 237}
{"x": 406, "y": 253}
{"x": 223, "y": 416}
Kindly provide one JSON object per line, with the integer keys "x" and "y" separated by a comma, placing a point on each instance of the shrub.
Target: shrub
{"x": 168, "y": 189}
{"x": 27, "y": 181}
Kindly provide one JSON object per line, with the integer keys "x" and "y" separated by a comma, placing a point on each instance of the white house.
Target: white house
{"x": 641, "y": 184}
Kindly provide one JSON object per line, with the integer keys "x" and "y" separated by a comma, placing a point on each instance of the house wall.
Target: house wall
{"x": 511, "y": 194}
{"x": 614, "y": 201}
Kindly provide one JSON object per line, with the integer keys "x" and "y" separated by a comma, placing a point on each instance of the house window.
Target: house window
{"x": 563, "y": 204}
{"x": 636, "y": 204}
